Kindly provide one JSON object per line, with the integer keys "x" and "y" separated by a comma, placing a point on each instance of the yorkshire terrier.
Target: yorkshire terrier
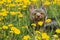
{"x": 40, "y": 14}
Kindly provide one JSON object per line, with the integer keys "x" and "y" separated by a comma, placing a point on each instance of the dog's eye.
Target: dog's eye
{"x": 42, "y": 13}
{"x": 34, "y": 13}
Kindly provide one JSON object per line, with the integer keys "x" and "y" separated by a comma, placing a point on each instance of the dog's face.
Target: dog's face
{"x": 37, "y": 13}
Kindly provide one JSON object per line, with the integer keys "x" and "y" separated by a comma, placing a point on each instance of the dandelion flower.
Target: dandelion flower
{"x": 38, "y": 37}
{"x": 15, "y": 30}
{"x": 2, "y": 1}
{"x": 55, "y": 36}
{"x": 3, "y": 12}
{"x": 37, "y": 32}
{"x": 34, "y": 0}
{"x": 48, "y": 20}
{"x": 40, "y": 23}
{"x": 18, "y": 0}
{"x": 33, "y": 24}
{"x": 13, "y": 13}
{"x": 27, "y": 37}
{"x": 54, "y": 2}
{"x": 12, "y": 4}
{"x": 9, "y": 1}
{"x": 20, "y": 15}
{"x": 24, "y": 26}
{"x": 45, "y": 36}
{"x": 47, "y": 3}
{"x": 58, "y": 2}
{"x": 10, "y": 25}
{"x": 5, "y": 27}
{"x": 57, "y": 30}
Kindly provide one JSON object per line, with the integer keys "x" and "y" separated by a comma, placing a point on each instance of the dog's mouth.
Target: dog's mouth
{"x": 39, "y": 19}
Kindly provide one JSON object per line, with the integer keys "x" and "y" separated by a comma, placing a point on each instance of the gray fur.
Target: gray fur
{"x": 38, "y": 11}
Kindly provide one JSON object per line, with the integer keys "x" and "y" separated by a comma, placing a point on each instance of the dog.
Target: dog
{"x": 40, "y": 14}
{"x": 37, "y": 14}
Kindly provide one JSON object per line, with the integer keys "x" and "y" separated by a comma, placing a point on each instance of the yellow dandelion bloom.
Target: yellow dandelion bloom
{"x": 18, "y": 0}
{"x": 47, "y": 3}
{"x": 10, "y": 25}
{"x": 20, "y": 4}
{"x": 5, "y": 27}
{"x": 13, "y": 13}
{"x": 15, "y": 30}
{"x": 45, "y": 36}
{"x": 33, "y": 24}
{"x": 34, "y": 0}
{"x": 57, "y": 30}
{"x": 27, "y": 2}
{"x": 24, "y": 26}
{"x": 37, "y": 32}
{"x": 40, "y": 23}
{"x": 20, "y": 15}
{"x": 58, "y": 2}
{"x": 12, "y": 5}
{"x": 2, "y": 1}
{"x": 3, "y": 12}
{"x": 9, "y": 1}
{"x": 54, "y": 2}
{"x": 38, "y": 37}
{"x": 24, "y": 6}
{"x": 19, "y": 8}
{"x": 48, "y": 20}
{"x": 26, "y": 37}
{"x": 55, "y": 36}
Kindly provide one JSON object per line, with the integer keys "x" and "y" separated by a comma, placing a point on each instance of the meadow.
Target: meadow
{"x": 15, "y": 20}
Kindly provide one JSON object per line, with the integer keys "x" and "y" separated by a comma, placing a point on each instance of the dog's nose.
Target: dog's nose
{"x": 38, "y": 16}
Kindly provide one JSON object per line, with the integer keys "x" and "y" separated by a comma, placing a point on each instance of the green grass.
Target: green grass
{"x": 53, "y": 11}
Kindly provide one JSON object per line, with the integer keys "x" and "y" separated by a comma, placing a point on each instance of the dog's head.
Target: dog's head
{"x": 37, "y": 13}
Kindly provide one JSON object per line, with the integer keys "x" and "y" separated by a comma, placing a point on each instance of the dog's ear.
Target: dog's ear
{"x": 42, "y": 5}
{"x": 32, "y": 7}
{"x": 44, "y": 8}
